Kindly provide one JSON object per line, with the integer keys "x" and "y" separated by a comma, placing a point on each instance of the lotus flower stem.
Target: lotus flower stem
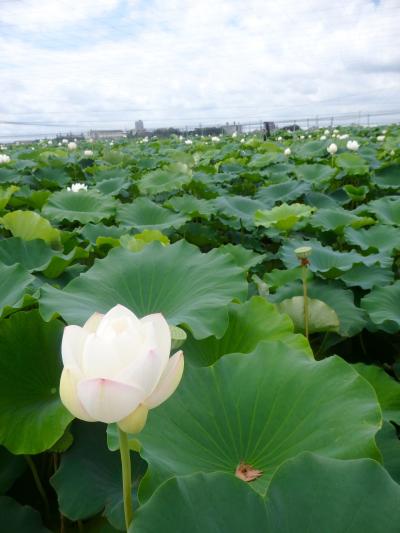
{"x": 38, "y": 483}
{"x": 126, "y": 476}
{"x": 305, "y": 298}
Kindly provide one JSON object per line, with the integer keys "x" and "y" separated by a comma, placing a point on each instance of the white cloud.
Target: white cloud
{"x": 187, "y": 61}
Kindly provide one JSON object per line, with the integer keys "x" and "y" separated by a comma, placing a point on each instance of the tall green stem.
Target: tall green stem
{"x": 305, "y": 298}
{"x": 38, "y": 483}
{"x": 126, "y": 476}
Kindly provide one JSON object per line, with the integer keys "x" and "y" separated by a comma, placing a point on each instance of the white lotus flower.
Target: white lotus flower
{"x": 188, "y": 141}
{"x": 392, "y": 152}
{"x": 336, "y": 131}
{"x": 279, "y": 138}
{"x": 323, "y": 137}
{"x": 352, "y": 145}
{"x": 380, "y": 138}
{"x": 4, "y": 159}
{"x": 50, "y": 142}
{"x": 384, "y": 132}
{"x": 76, "y": 187}
{"x": 72, "y": 146}
{"x": 234, "y": 134}
{"x": 215, "y": 139}
{"x": 332, "y": 149}
{"x": 242, "y": 140}
{"x": 65, "y": 141}
{"x": 344, "y": 136}
{"x": 287, "y": 151}
{"x": 88, "y": 153}
{"x": 117, "y": 367}
{"x": 326, "y": 132}
{"x": 301, "y": 137}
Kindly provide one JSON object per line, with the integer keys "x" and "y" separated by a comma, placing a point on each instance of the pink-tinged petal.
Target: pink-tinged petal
{"x": 145, "y": 371}
{"x": 135, "y": 422}
{"x": 69, "y": 397}
{"x": 116, "y": 321}
{"x": 169, "y": 381}
{"x": 160, "y": 333}
{"x": 73, "y": 341}
{"x": 108, "y": 401}
{"x": 93, "y": 322}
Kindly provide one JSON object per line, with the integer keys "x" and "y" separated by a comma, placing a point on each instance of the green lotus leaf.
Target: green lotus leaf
{"x": 238, "y": 207}
{"x": 29, "y": 225}
{"x": 336, "y": 219}
{"x": 382, "y": 238}
{"x": 321, "y": 317}
{"x": 242, "y": 257}
{"x": 282, "y": 217}
{"x": 88, "y": 480}
{"x": 11, "y": 468}
{"x": 32, "y": 417}
{"x": 352, "y": 164}
{"x": 357, "y": 194}
{"x": 321, "y": 200}
{"x": 60, "y": 262}
{"x": 310, "y": 150}
{"x": 389, "y": 445}
{"x": 81, "y": 206}
{"x": 277, "y": 278}
{"x": 91, "y": 232}
{"x": 315, "y": 173}
{"x": 51, "y": 178}
{"x": 17, "y": 517}
{"x": 386, "y": 210}
{"x": 367, "y": 277}
{"x": 308, "y": 493}
{"x": 188, "y": 287}
{"x": 287, "y": 191}
{"x": 383, "y": 307}
{"x": 265, "y": 160}
{"x": 169, "y": 178}
{"x": 113, "y": 186}
{"x": 260, "y": 409}
{"x": 31, "y": 255}
{"x": 352, "y": 319}
{"x": 143, "y": 214}
{"x": 5, "y": 195}
{"x": 14, "y": 282}
{"x": 135, "y": 243}
{"x": 249, "y": 323}
{"x": 387, "y": 390}
{"x": 191, "y": 206}
{"x": 387, "y": 177}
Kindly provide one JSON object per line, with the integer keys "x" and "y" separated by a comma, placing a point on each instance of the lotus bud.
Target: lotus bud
{"x": 332, "y": 149}
{"x": 72, "y": 146}
{"x": 352, "y": 145}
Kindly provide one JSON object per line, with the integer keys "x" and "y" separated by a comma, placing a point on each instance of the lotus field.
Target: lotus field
{"x": 267, "y": 271}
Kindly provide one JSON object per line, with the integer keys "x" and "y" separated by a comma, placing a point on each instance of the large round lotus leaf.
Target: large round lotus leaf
{"x": 188, "y": 287}
{"x": 367, "y": 277}
{"x": 19, "y": 518}
{"x": 310, "y": 150}
{"x": 386, "y": 210}
{"x": 191, "y": 206}
{"x": 309, "y": 493}
{"x": 357, "y": 194}
{"x": 321, "y": 317}
{"x": 32, "y": 417}
{"x": 31, "y": 255}
{"x": 249, "y": 324}
{"x": 387, "y": 177}
{"x": 30, "y": 225}
{"x": 319, "y": 494}
{"x": 238, "y": 207}
{"x": 352, "y": 319}
{"x": 89, "y": 478}
{"x": 81, "y": 206}
{"x": 91, "y": 232}
{"x": 14, "y": 281}
{"x": 382, "y": 238}
{"x": 165, "y": 179}
{"x": 265, "y": 160}
{"x": 282, "y": 217}
{"x": 135, "y": 243}
{"x": 336, "y": 219}
{"x": 51, "y": 178}
{"x": 315, "y": 173}
{"x": 260, "y": 409}
{"x": 281, "y": 192}
{"x": 383, "y": 306}
{"x": 352, "y": 164}
{"x": 387, "y": 389}
{"x": 242, "y": 256}
{"x": 5, "y": 195}
{"x": 389, "y": 445}
{"x": 143, "y": 214}
{"x": 323, "y": 259}
{"x": 11, "y": 468}
{"x": 113, "y": 186}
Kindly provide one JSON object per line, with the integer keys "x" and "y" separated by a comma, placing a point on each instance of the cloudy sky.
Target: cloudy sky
{"x": 94, "y": 64}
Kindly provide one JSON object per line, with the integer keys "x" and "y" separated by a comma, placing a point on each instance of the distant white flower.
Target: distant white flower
{"x": 188, "y": 141}
{"x": 75, "y": 140}
{"x": 352, "y": 145}
{"x": 90, "y": 140}
{"x": 323, "y": 137}
{"x": 392, "y": 152}
{"x": 4, "y": 159}
{"x": 332, "y": 149}
{"x": 344, "y": 136}
{"x": 88, "y": 153}
{"x": 72, "y": 146}
{"x": 242, "y": 140}
{"x": 181, "y": 137}
{"x": 302, "y": 137}
{"x": 65, "y": 141}
{"x": 326, "y": 132}
{"x": 279, "y": 138}
{"x": 287, "y": 151}
{"x": 59, "y": 144}
{"x": 112, "y": 143}
{"x": 76, "y": 187}
{"x": 380, "y": 138}
{"x": 146, "y": 139}
{"x": 336, "y": 131}
{"x": 215, "y": 139}
{"x": 309, "y": 136}
{"x": 49, "y": 142}
{"x": 234, "y": 134}
{"x": 384, "y": 132}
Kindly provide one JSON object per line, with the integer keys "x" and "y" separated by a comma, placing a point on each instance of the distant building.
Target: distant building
{"x": 139, "y": 126}
{"x": 228, "y": 129}
{"x": 106, "y": 134}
